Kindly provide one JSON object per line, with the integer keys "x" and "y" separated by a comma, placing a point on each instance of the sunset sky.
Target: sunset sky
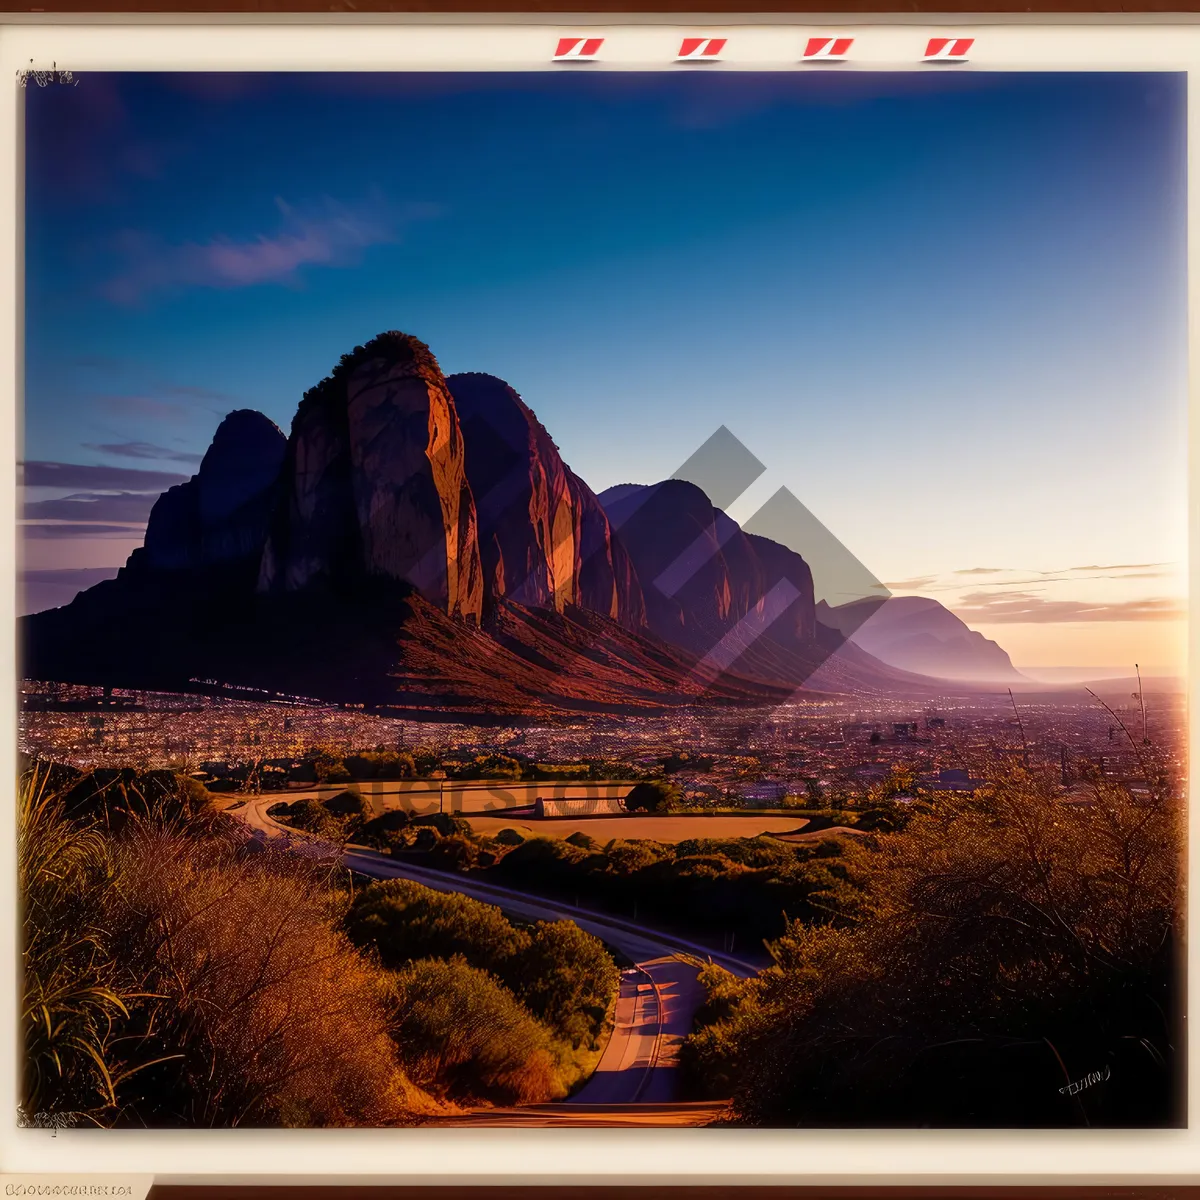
{"x": 946, "y": 310}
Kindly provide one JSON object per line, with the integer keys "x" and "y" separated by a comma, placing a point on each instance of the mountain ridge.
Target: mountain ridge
{"x": 419, "y": 541}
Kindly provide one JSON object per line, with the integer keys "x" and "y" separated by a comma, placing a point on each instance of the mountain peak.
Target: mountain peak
{"x": 219, "y": 516}
{"x": 374, "y": 484}
{"x": 544, "y": 538}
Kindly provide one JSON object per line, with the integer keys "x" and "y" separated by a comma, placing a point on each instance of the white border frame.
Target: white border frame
{"x": 386, "y": 41}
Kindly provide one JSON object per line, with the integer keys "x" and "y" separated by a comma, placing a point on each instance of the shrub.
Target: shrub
{"x": 1006, "y": 938}
{"x": 403, "y": 921}
{"x": 346, "y": 804}
{"x": 567, "y": 978}
{"x": 510, "y": 837}
{"x": 654, "y": 796}
{"x": 381, "y": 764}
{"x": 444, "y": 823}
{"x": 381, "y": 832}
{"x": 262, "y": 1012}
{"x": 74, "y": 987}
{"x": 173, "y": 978}
{"x": 466, "y": 1038}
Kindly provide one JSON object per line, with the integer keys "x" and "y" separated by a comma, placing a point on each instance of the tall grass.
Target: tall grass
{"x": 74, "y": 989}
{"x": 175, "y": 977}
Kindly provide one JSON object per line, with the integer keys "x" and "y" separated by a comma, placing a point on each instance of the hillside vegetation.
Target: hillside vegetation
{"x": 1007, "y": 947}
{"x": 177, "y": 973}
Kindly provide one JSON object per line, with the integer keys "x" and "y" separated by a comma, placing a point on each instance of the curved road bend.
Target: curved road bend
{"x": 656, "y": 1004}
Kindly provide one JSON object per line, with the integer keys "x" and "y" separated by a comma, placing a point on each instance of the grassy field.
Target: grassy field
{"x": 654, "y": 828}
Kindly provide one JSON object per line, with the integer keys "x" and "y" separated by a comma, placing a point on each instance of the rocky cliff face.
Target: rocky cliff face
{"x": 374, "y": 484}
{"x": 220, "y": 515}
{"x": 704, "y": 580}
{"x": 544, "y": 539}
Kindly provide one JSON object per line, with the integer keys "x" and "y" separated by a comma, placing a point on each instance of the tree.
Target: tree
{"x": 567, "y": 978}
{"x": 404, "y": 921}
{"x": 654, "y": 796}
{"x": 1005, "y": 937}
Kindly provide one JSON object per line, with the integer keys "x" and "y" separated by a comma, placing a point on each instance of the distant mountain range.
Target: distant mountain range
{"x": 918, "y": 634}
{"x": 417, "y": 543}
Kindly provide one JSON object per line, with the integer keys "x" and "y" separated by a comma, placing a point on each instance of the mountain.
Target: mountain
{"x": 544, "y": 539}
{"x": 704, "y": 578}
{"x": 418, "y": 544}
{"x": 917, "y": 634}
{"x": 374, "y": 484}
{"x": 741, "y": 602}
{"x": 219, "y": 516}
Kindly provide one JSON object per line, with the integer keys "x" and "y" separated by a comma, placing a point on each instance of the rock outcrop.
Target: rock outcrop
{"x": 374, "y": 484}
{"x": 418, "y": 544}
{"x": 220, "y": 516}
{"x": 544, "y": 539}
{"x": 703, "y": 579}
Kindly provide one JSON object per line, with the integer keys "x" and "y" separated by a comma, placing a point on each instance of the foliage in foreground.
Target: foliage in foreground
{"x": 465, "y": 1036}
{"x": 563, "y": 976}
{"x": 1011, "y": 946}
{"x": 174, "y": 975}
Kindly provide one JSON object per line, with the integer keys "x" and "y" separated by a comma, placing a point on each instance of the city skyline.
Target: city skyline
{"x": 943, "y": 306}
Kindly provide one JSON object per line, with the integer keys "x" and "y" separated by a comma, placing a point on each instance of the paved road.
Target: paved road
{"x": 655, "y": 1009}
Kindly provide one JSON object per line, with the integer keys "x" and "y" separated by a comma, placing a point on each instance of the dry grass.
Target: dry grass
{"x": 175, "y": 977}
{"x": 278, "y": 1018}
{"x": 652, "y": 828}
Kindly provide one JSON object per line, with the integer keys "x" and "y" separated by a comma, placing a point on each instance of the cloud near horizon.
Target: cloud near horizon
{"x": 133, "y": 507}
{"x": 918, "y": 584}
{"x": 144, "y": 450}
{"x": 1020, "y": 608}
{"x": 332, "y": 235}
{"x": 81, "y": 477}
{"x": 72, "y": 530}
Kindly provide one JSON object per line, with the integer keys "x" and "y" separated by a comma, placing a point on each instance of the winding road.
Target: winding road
{"x": 635, "y": 1082}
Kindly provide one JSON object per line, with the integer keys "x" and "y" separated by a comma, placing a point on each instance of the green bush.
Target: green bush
{"x": 381, "y": 832}
{"x": 444, "y": 823}
{"x": 511, "y": 837}
{"x": 346, "y": 804}
{"x": 1004, "y": 937}
{"x": 654, "y": 796}
{"x": 402, "y": 921}
{"x": 465, "y": 1037}
{"x": 563, "y": 975}
{"x": 567, "y": 978}
{"x": 381, "y": 764}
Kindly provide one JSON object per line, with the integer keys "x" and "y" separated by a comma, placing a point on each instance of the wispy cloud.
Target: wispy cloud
{"x": 1020, "y": 608}
{"x": 93, "y": 506}
{"x": 143, "y": 450}
{"x": 1118, "y": 567}
{"x": 919, "y": 583}
{"x": 70, "y": 530}
{"x": 982, "y": 571}
{"x": 331, "y": 235}
{"x": 78, "y": 476}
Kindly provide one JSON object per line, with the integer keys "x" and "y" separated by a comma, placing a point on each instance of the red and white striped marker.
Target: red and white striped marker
{"x": 572, "y": 49}
{"x": 827, "y": 49}
{"x": 948, "y": 49}
{"x": 700, "y": 49}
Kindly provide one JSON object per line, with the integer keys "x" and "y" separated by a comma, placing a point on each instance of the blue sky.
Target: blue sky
{"x": 946, "y": 309}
